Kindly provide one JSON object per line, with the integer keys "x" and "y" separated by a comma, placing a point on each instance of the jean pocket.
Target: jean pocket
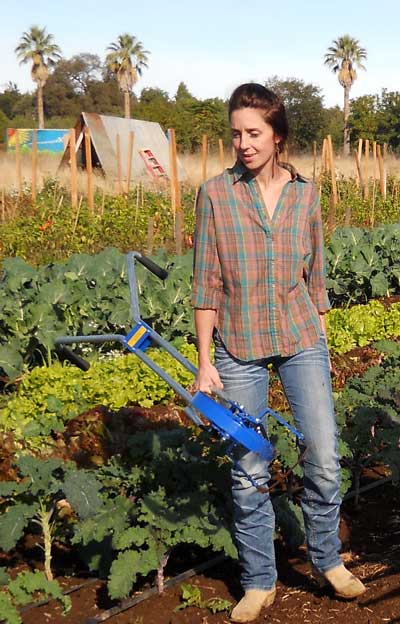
{"x": 217, "y": 338}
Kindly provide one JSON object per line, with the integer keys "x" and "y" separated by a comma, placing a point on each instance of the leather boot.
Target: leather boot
{"x": 253, "y": 601}
{"x": 345, "y": 584}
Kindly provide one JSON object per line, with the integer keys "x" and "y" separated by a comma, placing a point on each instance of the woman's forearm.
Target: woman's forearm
{"x": 204, "y": 321}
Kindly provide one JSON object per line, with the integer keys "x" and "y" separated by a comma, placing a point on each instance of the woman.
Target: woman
{"x": 259, "y": 293}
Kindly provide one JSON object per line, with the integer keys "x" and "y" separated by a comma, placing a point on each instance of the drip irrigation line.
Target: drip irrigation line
{"x": 365, "y": 488}
{"x": 131, "y": 602}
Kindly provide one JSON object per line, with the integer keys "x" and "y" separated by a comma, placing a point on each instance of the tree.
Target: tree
{"x": 8, "y": 99}
{"x": 126, "y": 60}
{"x": 37, "y": 47}
{"x": 333, "y": 125}
{"x": 363, "y": 119}
{"x": 343, "y": 56}
{"x": 304, "y": 109}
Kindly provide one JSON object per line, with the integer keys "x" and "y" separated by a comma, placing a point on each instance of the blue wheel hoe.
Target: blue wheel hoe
{"x": 229, "y": 419}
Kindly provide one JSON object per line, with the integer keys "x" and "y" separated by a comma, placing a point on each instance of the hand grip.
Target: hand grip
{"x": 152, "y": 266}
{"x": 74, "y": 358}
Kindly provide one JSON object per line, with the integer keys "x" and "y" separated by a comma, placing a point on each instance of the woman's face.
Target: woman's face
{"x": 253, "y": 139}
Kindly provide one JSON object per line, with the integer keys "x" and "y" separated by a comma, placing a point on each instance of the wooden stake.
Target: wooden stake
{"x": 89, "y": 170}
{"x": 150, "y": 235}
{"x": 314, "y": 160}
{"x": 178, "y": 232}
{"x": 331, "y": 213}
{"x": 130, "y": 155}
{"x": 77, "y": 215}
{"x": 221, "y": 154}
{"x": 204, "y": 145}
{"x": 382, "y": 177}
{"x": 359, "y": 154}
{"x": 103, "y": 200}
{"x": 372, "y": 220}
{"x": 366, "y": 185}
{"x": 34, "y": 165}
{"x": 119, "y": 171}
{"x": 385, "y": 149}
{"x": 73, "y": 168}
{"x": 360, "y": 146}
{"x": 18, "y": 163}
{"x": 173, "y": 168}
{"x": 3, "y": 205}
{"x": 332, "y": 168}
{"x": 324, "y": 167}
{"x": 374, "y": 160}
{"x": 359, "y": 172}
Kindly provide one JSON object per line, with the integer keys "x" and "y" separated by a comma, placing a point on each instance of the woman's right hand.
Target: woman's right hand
{"x": 207, "y": 378}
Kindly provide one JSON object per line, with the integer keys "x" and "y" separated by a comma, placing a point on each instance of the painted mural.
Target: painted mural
{"x": 52, "y": 141}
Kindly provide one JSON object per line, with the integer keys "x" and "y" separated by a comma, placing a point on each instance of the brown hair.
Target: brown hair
{"x": 253, "y": 95}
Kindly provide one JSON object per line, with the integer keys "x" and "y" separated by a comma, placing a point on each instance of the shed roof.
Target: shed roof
{"x": 147, "y": 135}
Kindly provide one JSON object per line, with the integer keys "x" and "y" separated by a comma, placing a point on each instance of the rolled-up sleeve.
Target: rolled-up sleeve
{"x": 207, "y": 280}
{"x": 316, "y": 276}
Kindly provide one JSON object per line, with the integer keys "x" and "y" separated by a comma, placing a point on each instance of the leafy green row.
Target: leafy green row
{"x": 368, "y": 412}
{"x": 363, "y": 264}
{"x": 47, "y": 397}
{"x": 85, "y": 295}
{"x": 361, "y": 324}
{"x": 90, "y": 294}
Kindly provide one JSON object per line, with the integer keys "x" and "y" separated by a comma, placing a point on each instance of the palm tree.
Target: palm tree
{"x": 126, "y": 60}
{"x": 343, "y": 56}
{"x": 37, "y": 46}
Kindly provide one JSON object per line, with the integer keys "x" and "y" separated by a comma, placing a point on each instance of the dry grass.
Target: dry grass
{"x": 345, "y": 167}
{"x": 48, "y": 168}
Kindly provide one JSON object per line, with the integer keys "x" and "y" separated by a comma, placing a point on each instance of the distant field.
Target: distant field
{"x": 48, "y": 168}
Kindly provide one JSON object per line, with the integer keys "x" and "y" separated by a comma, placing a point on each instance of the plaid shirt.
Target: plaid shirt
{"x": 265, "y": 278}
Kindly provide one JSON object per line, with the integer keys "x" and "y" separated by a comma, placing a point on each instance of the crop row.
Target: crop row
{"x": 89, "y": 294}
{"x": 169, "y": 487}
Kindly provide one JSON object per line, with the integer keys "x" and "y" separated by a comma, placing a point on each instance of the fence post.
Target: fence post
{"x": 73, "y": 168}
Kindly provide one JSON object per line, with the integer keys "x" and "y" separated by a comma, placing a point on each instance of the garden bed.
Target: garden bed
{"x": 371, "y": 544}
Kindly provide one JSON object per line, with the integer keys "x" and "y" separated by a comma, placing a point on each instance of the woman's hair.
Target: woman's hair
{"x": 253, "y": 95}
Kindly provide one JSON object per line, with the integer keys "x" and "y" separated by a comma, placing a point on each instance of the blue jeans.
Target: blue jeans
{"x": 305, "y": 378}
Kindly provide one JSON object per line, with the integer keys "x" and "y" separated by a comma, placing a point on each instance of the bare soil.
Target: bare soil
{"x": 371, "y": 538}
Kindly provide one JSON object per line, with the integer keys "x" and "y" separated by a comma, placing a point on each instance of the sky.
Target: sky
{"x": 214, "y": 45}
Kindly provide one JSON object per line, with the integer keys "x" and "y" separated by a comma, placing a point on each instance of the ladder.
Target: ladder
{"x": 152, "y": 164}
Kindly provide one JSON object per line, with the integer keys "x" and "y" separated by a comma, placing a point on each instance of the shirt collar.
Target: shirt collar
{"x": 240, "y": 172}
